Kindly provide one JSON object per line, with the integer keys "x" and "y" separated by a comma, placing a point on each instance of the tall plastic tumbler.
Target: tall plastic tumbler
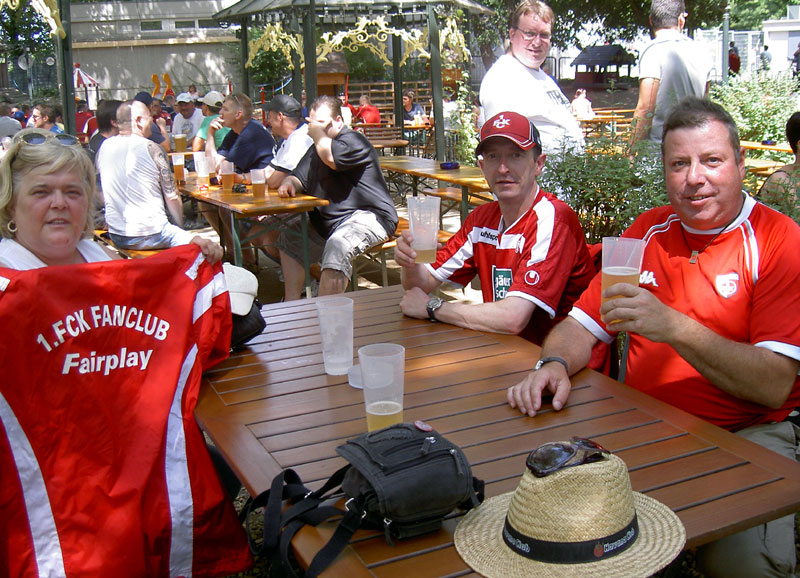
{"x": 383, "y": 373}
{"x": 335, "y": 316}
{"x": 423, "y": 218}
{"x": 622, "y": 261}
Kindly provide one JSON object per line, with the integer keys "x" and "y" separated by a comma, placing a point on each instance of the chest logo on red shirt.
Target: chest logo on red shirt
{"x": 727, "y": 285}
{"x": 501, "y": 282}
{"x": 532, "y": 278}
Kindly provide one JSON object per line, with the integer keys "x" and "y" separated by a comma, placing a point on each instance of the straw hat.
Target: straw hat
{"x": 587, "y": 513}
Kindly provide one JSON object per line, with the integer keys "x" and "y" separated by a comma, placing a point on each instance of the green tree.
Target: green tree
{"x": 749, "y": 14}
{"x": 25, "y": 28}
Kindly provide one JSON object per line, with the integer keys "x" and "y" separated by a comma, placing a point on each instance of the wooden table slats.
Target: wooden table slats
{"x": 271, "y": 406}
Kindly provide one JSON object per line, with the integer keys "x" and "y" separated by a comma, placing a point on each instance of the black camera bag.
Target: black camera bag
{"x": 404, "y": 479}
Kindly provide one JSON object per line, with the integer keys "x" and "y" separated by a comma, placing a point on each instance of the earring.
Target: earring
{"x": 12, "y": 227}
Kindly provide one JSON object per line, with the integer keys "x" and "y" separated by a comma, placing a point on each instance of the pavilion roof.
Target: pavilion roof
{"x": 603, "y": 56}
{"x": 251, "y": 7}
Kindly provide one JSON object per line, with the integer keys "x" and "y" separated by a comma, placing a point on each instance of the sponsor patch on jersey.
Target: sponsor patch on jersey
{"x": 501, "y": 282}
{"x": 727, "y": 284}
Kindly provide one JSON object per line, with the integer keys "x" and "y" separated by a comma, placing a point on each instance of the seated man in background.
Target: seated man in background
{"x": 343, "y": 168}
{"x": 158, "y": 129}
{"x": 248, "y": 145}
{"x": 527, "y": 247}
{"x": 780, "y": 190}
{"x": 209, "y": 105}
{"x": 188, "y": 119}
{"x": 367, "y": 112}
{"x": 157, "y": 110}
{"x": 714, "y": 329}
{"x": 138, "y": 187}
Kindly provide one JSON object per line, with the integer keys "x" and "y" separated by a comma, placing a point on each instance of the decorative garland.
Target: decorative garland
{"x": 370, "y": 34}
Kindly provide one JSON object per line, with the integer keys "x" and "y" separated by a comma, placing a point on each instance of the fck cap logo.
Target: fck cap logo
{"x": 501, "y": 122}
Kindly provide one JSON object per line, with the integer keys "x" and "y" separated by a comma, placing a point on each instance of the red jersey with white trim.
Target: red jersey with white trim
{"x": 104, "y": 469}
{"x": 542, "y": 257}
{"x": 744, "y": 286}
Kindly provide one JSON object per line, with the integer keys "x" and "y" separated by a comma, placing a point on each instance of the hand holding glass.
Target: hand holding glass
{"x": 622, "y": 262}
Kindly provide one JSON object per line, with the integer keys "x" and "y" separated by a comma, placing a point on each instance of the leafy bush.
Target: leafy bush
{"x": 364, "y": 66}
{"x": 603, "y": 187}
{"x": 760, "y": 104}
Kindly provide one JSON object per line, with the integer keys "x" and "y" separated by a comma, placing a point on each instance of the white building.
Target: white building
{"x": 782, "y": 37}
{"x": 124, "y": 43}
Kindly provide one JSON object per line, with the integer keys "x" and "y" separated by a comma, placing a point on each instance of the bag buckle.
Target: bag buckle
{"x": 349, "y": 509}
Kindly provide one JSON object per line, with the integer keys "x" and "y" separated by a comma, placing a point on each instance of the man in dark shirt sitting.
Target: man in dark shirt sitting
{"x": 248, "y": 146}
{"x": 343, "y": 168}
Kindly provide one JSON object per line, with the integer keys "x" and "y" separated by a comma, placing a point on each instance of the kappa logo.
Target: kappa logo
{"x": 648, "y": 278}
{"x": 727, "y": 285}
{"x": 532, "y": 277}
{"x": 501, "y": 122}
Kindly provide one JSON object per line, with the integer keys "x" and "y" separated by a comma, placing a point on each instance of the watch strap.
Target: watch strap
{"x": 560, "y": 360}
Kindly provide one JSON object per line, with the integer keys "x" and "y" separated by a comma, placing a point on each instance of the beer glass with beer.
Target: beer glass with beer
{"x": 382, "y": 374}
{"x": 258, "y": 180}
{"x": 226, "y": 176}
{"x": 423, "y": 218}
{"x": 201, "y": 169}
{"x": 180, "y": 142}
{"x": 622, "y": 261}
{"x": 177, "y": 169}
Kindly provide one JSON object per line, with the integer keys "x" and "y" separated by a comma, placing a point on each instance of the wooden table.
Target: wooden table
{"x": 243, "y": 205}
{"x": 757, "y": 146}
{"x": 388, "y": 143}
{"x": 762, "y": 167}
{"x": 272, "y": 407}
{"x": 469, "y": 178}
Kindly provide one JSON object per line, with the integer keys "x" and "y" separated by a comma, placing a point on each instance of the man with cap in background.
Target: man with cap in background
{"x": 158, "y": 129}
{"x": 287, "y": 123}
{"x": 527, "y": 247}
{"x": 188, "y": 119}
{"x": 210, "y": 105}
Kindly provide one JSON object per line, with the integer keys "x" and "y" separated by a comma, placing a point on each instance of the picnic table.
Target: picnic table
{"x": 271, "y": 406}
{"x": 469, "y": 178}
{"x": 244, "y": 206}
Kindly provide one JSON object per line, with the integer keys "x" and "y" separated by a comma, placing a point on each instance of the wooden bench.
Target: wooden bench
{"x": 101, "y": 235}
{"x": 377, "y": 253}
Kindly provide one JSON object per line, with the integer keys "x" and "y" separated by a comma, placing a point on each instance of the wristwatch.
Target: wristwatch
{"x": 544, "y": 360}
{"x": 433, "y": 304}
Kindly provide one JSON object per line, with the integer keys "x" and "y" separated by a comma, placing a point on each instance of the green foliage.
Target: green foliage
{"x": 602, "y": 186}
{"x": 760, "y": 105}
{"x": 22, "y": 28}
{"x": 268, "y": 67}
{"x": 749, "y": 14}
{"x": 364, "y": 66}
{"x": 466, "y": 134}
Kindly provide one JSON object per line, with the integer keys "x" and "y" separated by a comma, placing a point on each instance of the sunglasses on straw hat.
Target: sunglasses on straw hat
{"x": 553, "y": 456}
{"x": 572, "y": 522}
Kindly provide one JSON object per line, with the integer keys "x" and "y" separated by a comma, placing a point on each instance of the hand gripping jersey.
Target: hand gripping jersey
{"x": 104, "y": 469}
{"x": 744, "y": 287}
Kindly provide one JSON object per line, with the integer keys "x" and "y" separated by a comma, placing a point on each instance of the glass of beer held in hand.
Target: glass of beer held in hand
{"x": 622, "y": 262}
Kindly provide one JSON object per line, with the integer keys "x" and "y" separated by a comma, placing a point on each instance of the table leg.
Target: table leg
{"x": 237, "y": 247}
{"x": 464, "y": 203}
{"x": 306, "y": 258}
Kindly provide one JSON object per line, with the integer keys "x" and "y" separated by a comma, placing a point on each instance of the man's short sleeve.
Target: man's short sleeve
{"x": 350, "y": 149}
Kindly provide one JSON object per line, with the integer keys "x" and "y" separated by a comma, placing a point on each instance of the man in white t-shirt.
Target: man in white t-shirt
{"x": 138, "y": 187}
{"x": 284, "y": 116}
{"x": 188, "y": 119}
{"x": 516, "y": 82}
{"x": 671, "y": 68}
